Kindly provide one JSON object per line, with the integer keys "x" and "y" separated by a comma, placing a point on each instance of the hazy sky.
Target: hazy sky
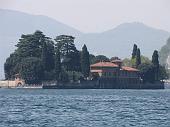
{"x": 97, "y": 15}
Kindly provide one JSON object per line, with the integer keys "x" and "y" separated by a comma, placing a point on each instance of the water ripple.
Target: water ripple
{"x": 84, "y": 108}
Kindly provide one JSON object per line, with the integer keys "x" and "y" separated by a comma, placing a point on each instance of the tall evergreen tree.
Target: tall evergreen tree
{"x": 85, "y": 62}
{"x": 44, "y": 56}
{"x": 138, "y": 58}
{"x": 134, "y": 52}
{"x": 69, "y": 54}
{"x": 57, "y": 64}
{"x": 155, "y": 61}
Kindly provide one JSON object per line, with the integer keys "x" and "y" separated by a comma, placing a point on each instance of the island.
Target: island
{"x": 41, "y": 62}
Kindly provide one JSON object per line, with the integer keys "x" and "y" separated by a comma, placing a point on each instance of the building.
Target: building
{"x": 12, "y": 83}
{"x": 113, "y": 74}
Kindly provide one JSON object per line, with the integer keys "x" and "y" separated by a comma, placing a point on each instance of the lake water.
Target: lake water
{"x": 84, "y": 108}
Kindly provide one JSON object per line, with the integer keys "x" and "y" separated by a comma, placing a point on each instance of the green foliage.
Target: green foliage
{"x": 30, "y": 45}
{"x": 85, "y": 63}
{"x": 145, "y": 59}
{"x": 134, "y": 52}
{"x": 155, "y": 62}
{"x": 155, "y": 57}
{"x": 31, "y": 70}
{"x": 92, "y": 58}
{"x": 127, "y": 62}
{"x": 132, "y": 62}
{"x": 11, "y": 66}
{"x": 100, "y": 58}
{"x": 57, "y": 64}
{"x": 114, "y": 58}
{"x": 49, "y": 75}
{"x": 69, "y": 54}
{"x": 35, "y": 45}
{"x": 64, "y": 77}
{"x": 138, "y": 58}
{"x": 147, "y": 72}
{"x": 74, "y": 76}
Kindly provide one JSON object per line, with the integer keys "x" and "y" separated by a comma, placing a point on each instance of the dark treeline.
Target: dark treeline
{"x": 38, "y": 58}
{"x": 150, "y": 70}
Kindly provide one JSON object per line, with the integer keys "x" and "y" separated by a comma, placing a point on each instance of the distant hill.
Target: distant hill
{"x": 14, "y": 23}
{"x": 114, "y": 42}
{"x": 119, "y": 41}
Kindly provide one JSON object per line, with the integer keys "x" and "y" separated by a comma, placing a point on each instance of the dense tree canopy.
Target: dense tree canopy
{"x": 69, "y": 54}
{"x": 147, "y": 72}
{"x": 37, "y": 58}
{"x": 57, "y": 64}
{"x": 31, "y": 70}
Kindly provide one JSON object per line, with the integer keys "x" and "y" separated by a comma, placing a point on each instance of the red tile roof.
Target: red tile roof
{"x": 104, "y": 64}
{"x": 129, "y": 68}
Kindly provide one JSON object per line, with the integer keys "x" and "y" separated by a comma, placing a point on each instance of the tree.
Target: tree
{"x": 134, "y": 52}
{"x": 57, "y": 64}
{"x": 11, "y": 66}
{"x": 45, "y": 56}
{"x": 115, "y": 58}
{"x": 127, "y": 62}
{"x": 147, "y": 72}
{"x": 138, "y": 58}
{"x": 155, "y": 61}
{"x": 145, "y": 59}
{"x": 100, "y": 58}
{"x": 48, "y": 56}
{"x": 31, "y": 70}
{"x": 85, "y": 63}
{"x": 69, "y": 54}
{"x": 30, "y": 45}
{"x": 92, "y": 58}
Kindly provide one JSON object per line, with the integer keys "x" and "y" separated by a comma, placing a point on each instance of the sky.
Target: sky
{"x": 97, "y": 15}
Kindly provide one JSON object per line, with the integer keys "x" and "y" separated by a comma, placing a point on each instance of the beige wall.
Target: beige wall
{"x": 7, "y": 84}
{"x": 10, "y": 83}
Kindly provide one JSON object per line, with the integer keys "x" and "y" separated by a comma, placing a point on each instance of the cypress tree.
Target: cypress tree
{"x": 138, "y": 58}
{"x": 155, "y": 61}
{"x": 134, "y": 51}
{"x": 57, "y": 64}
{"x": 85, "y": 62}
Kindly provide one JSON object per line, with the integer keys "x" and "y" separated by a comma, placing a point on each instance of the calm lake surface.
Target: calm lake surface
{"x": 84, "y": 108}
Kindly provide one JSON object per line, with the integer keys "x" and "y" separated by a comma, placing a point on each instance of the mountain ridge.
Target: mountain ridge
{"x": 114, "y": 42}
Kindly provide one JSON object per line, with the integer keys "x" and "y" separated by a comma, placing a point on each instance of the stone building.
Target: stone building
{"x": 114, "y": 73}
{"x": 12, "y": 83}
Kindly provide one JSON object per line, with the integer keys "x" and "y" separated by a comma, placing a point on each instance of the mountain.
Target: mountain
{"x": 14, "y": 23}
{"x": 119, "y": 41}
{"x": 115, "y": 42}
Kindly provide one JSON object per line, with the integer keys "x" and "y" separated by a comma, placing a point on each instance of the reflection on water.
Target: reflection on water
{"x": 78, "y": 108}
